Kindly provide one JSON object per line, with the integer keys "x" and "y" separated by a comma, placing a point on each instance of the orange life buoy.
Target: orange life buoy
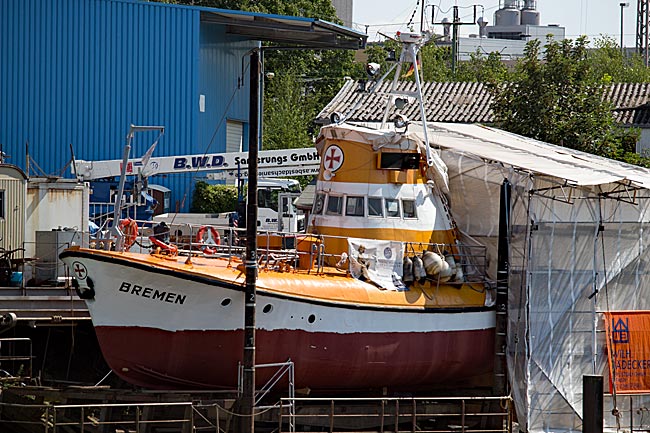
{"x": 167, "y": 247}
{"x": 129, "y": 228}
{"x": 212, "y": 238}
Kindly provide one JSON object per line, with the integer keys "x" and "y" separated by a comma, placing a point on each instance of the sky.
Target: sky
{"x": 579, "y": 17}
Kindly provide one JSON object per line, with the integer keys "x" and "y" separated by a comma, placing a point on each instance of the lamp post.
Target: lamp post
{"x": 623, "y": 5}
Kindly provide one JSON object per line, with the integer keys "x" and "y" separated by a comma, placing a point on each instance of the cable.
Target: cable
{"x": 214, "y": 135}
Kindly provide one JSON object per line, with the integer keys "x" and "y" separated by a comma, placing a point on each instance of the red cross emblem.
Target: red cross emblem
{"x": 79, "y": 270}
{"x": 333, "y": 158}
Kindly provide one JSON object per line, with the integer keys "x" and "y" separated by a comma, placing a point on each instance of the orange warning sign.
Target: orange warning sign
{"x": 628, "y": 345}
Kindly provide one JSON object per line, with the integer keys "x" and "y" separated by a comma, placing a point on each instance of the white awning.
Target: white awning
{"x": 537, "y": 157}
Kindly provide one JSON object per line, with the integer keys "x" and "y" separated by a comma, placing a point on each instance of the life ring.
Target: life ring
{"x": 129, "y": 228}
{"x": 212, "y": 238}
{"x": 167, "y": 247}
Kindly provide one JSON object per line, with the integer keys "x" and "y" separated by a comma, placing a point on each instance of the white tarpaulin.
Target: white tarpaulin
{"x": 580, "y": 246}
{"x": 577, "y": 250}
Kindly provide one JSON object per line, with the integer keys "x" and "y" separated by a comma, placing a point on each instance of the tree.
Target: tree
{"x": 607, "y": 64}
{"x": 213, "y": 198}
{"x": 559, "y": 101}
{"x": 482, "y": 68}
{"x": 287, "y": 111}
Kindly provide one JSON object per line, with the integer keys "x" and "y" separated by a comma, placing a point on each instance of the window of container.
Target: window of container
{"x": 319, "y": 204}
{"x": 392, "y": 208}
{"x": 408, "y": 208}
{"x": 374, "y": 207}
{"x": 2, "y": 204}
{"x": 334, "y": 205}
{"x": 354, "y": 206}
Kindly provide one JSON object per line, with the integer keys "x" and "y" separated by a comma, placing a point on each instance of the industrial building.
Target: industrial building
{"x": 77, "y": 74}
{"x": 515, "y": 23}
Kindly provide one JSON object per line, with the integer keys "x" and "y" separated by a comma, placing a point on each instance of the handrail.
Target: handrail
{"x": 473, "y": 258}
{"x": 403, "y": 414}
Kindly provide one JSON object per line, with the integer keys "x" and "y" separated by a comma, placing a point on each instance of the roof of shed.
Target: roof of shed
{"x": 468, "y": 102}
{"x": 293, "y": 31}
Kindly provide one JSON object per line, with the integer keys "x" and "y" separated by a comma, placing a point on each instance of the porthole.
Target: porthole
{"x": 311, "y": 318}
{"x": 225, "y": 302}
{"x": 267, "y": 308}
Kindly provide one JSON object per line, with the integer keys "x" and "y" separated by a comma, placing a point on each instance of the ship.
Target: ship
{"x": 380, "y": 292}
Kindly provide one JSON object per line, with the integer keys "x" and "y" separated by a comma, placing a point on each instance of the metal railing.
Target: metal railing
{"x": 400, "y": 414}
{"x": 380, "y": 415}
{"x": 16, "y": 358}
{"x": 277, "y": 249}
{"x": 138, "y": 417}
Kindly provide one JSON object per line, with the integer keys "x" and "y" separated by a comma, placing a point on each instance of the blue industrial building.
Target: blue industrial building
{"x": 79, "y": 72}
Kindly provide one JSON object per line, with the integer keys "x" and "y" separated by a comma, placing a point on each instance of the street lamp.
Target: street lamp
{"x": 623, "y": 5}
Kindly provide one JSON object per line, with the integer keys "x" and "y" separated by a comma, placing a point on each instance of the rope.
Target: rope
{"x": 207, "y": 149}
{"x": 410, "y": 23}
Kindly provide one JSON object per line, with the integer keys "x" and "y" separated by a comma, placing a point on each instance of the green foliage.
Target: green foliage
{"x": 558, "y": 100}
{"x": 287, "y": 112}
{"x": 436, "y": 63}
{"x": 482, "y": 68}
{"x": 214, "y": 198}
{"x": 608, "y": 65}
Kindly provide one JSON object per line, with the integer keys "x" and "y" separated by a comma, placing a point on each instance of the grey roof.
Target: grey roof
{"x": 467, "y": 102}
{"x": 294, "y": 31}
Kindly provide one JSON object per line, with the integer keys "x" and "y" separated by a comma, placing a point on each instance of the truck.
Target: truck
{"x": 275, "y": 212}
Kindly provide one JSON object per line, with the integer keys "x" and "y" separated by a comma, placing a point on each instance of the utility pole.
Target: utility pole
{"x": 250, "y": 293}
{"x": 642, "y": 29}
{"x": 455, "y": 24}
{"x": 623, "y": 5}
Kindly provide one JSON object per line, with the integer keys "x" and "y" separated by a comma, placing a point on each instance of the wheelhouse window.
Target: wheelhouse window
{"x": 319, "y": 204}
{"x": 408, "y": 207}
{"x": 334, "y": 205}
{"x": 392, "y": 208}
{"x": 374, "y": 207}
{"x": 354, "y": 206}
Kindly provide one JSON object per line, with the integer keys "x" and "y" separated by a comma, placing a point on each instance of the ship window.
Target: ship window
{"x": 374, "y": 207}
{"x": 399, "y": 160}
{"x": 392, "y": 208}
{"x": 334, "y": 205}
{"x": 354, "y": 206}
{"x": 408, "y": 207}
{"x": 318, "y": 203}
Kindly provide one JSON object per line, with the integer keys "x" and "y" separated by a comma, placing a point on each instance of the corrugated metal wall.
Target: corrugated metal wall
{"x": 81, "y": 71}
{"x": 12, "y": 227}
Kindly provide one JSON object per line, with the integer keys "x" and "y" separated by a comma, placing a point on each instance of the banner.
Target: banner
{"x": 379, "y": 262}
{"x": 628, "y": 345}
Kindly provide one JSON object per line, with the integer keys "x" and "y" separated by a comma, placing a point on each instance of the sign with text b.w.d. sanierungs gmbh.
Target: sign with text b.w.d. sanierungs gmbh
{"x": 628, "y": 344}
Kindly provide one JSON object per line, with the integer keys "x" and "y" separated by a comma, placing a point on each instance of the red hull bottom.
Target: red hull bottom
{"x": 158, "y": 359}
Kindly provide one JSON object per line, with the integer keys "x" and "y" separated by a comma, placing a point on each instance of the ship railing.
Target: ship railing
{"x": 101, "y": 214}
{"x": 468, "y": 414}
{"x": 312, "y": 253}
